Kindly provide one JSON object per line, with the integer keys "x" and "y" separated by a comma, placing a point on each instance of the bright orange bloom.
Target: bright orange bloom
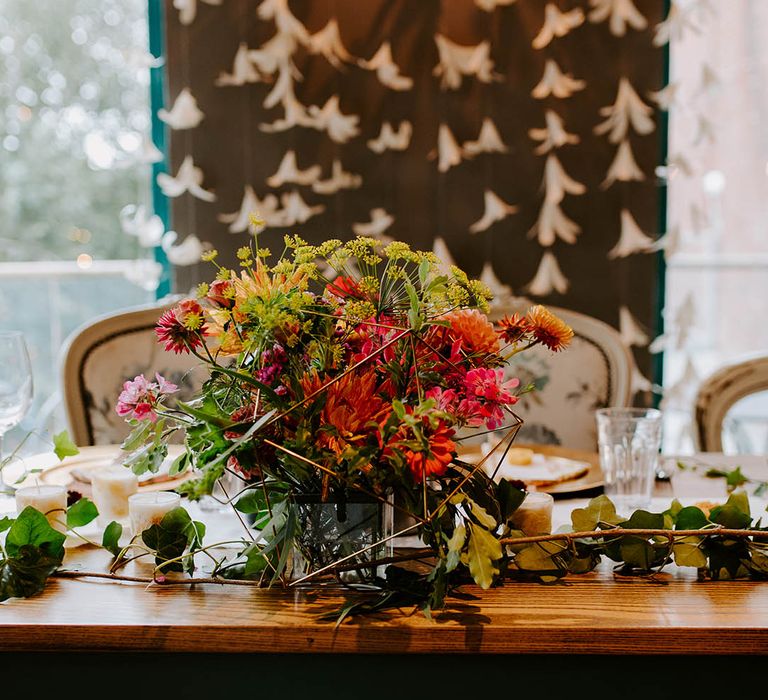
{"x": 473, "y": 329}
{"x": 352, "y": 407}
{"x": 548, "y": 329}
{"x": 435, "y": 459}
{"x": 513, "y": 328}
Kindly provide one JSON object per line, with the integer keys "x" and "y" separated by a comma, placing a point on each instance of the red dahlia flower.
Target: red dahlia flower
{"x": 182, "y": 328}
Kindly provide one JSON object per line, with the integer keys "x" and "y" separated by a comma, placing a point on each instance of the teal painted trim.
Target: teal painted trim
{"x": 160, "y": 202}
{"x": 661, "y": 268}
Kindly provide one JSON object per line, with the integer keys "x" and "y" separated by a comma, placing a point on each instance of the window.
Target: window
{"x": 75, "y": 150}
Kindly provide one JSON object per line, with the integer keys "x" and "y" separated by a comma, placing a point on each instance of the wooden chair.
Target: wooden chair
{"x": 720, "y": 392}
{"x": 594, "y": 372}
{"x": 100, "y": 356}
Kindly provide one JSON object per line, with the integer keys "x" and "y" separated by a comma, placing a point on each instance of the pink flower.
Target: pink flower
{"x": 140, "y": 398}
{"x": 182, "y": 328}
{"x": 488, "y": 384}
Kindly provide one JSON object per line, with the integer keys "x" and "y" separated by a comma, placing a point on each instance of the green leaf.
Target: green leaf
{"x": 734, "y": 514}
{"x": 63, "y": 445}
{"x": 137, "y": 437}
{"x": 171, "y": 537}
{"x": 31, "y": 527}
{"x": 540, "y": 557}
{"x": 111, "y": 538}
{"x": 599, "y": 510}
{"x": 180, "y": 464}
{"x": 688, "y": 553}
{"x": 5, "y": 523}
{"x": 510, "y": 497}
{"x": 81, "y": 513}
{"x": 148, "y": 458}
{"x": 24, "y": 574}
{"x": 484, "y": 551}
{"x": 733, "y": 477}
{"x": 637, "y": 552}
{"x": 643, "y": 520}
{"x": 691, "y": 518}
{"x": 482, "y": 516}
{"x": 267, "y": 391}
{"x": 455, "y": 545}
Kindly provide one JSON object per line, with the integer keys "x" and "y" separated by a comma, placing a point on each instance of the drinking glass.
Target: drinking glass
{"x": 15, "y": 386}
{"x": 629, "y": 440}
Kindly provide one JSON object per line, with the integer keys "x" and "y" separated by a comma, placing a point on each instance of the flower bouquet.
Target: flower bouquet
{"x": 342, "y": 379}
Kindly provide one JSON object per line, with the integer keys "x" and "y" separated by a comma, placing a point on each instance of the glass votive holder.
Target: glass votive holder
{"x": 148, "y": 508}
{"x": 534, "y": 516}
{"x": 49, "y": 499}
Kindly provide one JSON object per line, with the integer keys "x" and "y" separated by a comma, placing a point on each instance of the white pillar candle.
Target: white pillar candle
{"x": 534, "y": 516}
{"x": 149, "y": 507}
{"x": 48, "y": 499}
{"x": 111, "y": 488}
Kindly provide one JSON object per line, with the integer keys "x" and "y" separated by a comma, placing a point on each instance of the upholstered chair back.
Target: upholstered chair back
{"x": 100, "y": 356}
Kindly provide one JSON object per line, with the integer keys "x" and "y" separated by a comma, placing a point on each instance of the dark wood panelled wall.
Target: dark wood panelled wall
{"x": 233, "y": 150}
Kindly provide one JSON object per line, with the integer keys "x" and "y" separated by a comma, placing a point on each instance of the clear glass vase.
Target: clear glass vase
{"x": 352, "y": 533}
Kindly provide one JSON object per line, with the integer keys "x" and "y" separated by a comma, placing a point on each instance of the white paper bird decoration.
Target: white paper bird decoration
{"x": 239, "y": 220}
{"x": 295, "y": 114}
{"x": 295, "y": 210}
{"x": 185, "y": 114}
{"x": 187, "y": 252}
{"x": 327, "y": 42}
{"x": 557, "y": 24}
{"x": 709, "y": 80}
{"x": 339, "y": 180}
{"x": 628, "y": 110}
{"x": 496, "y": 209}
{"x": 285, "y": 21}
{"x": 557, "y": 183}
{"x": 243, "y": 70}
{"x": 548, "y": 278}
{"x": 273, "y": 54}
{"x": 556, "y": 83}
{"x": 631, "y": 239}
{"x": 440, "y": 249}
{"x": 666, "y": 97}
{"x": 386, "y": 69}
{"x": 136, "y": 221}
{"x": 456, "y": 61}
{"x": 282, "y": 91}
{"x": 488, "y": 141}
{"x": 448, "y": 151}
{"x": 639, "y": 383}
{"x": 380, "y": 222}
{"x": 553, "y": 224}
{"x": 389, "y": 139}
{"x": 339, "y": 127}
{"x": 288, "y": 171}
{"x": 680, "y": 393}
{"x": 619, "y": 13}
{"x": 630, "y": 330}
{"x": 705, "y": 131}
{"x": 491, "y": 5}
{"x": 553, "y": 135}
{"x": 678, "y": 23}
{"x": 189, "y": 178}
{"x": 624, "y": 167}
{"x": 144, "y": 273}
{"x": 188, "y": 9}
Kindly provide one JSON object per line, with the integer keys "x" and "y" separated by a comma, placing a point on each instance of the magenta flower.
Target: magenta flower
{"x": 140, "y": 398}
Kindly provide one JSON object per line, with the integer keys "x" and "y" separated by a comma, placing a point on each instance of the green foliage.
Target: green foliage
{"x": 33, "y": 551}
{"x": 111, "y": 538}
{"x": 174, "y": 540}
{"x": 483, "y": 555}
{"x": 63, "y": 445}
{"x": 81, "y": 513}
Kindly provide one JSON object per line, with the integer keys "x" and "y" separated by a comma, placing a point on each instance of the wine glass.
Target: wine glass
{"x": 15, "y": 386}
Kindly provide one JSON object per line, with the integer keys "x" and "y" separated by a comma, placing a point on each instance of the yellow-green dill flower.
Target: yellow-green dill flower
{"x": 257, "y": 224}
{"x": 224, "y": 274}
{"x": 202, "y": 290}
{"x": 209, "y": 255}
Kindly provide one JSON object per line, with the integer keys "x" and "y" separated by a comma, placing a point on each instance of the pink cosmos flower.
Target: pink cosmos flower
{"x": 140, "y": 398}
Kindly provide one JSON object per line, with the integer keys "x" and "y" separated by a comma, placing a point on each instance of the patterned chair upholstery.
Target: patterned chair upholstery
{"x": 717, "y": 396}
{"x": 595, "y": 372}
{"x": 100, "y": 356}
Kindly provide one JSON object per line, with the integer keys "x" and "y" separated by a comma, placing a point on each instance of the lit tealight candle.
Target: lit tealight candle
{"x": 149, "y": 507}
{"x": 48, "y": 499}
{"x": 111, "y": 489}
{"x": 534, "y": 516}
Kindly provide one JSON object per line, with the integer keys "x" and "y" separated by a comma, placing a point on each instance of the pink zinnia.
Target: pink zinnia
{"x": 182, "y": 328}
{"x": 140, "y": 398}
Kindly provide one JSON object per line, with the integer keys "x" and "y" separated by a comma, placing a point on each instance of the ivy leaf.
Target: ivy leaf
{"x": 599, "y": 510}
{"x": 24, "y": 574}
{"x": 31, "y": 527}
{"x": 5, "y": 523}
{"x": 484, "y": 552}
{"x": 540, "y": 557}
{"x": 510, "y": 497}
{"x": 81, "y": 513}
{"x": 688, "y": 553}
{"x": 733, "y": 477}
{"x": 482, "y": 516}
{"x": 734, "y": 514}
{"x": 643, "y": 520}
{"x": 691, "y": 518}
{"x": 111, "y": 538}
{"x": 637, "y": 552}
{"x": 180, "y": 464}
{"x": 63, "y": 445}
{"x": 171, "y": 537}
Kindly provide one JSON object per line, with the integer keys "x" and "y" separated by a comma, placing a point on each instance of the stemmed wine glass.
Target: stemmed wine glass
{"x": 15, "y": 386}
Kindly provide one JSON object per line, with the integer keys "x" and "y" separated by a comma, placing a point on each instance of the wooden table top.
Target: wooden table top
{"x": 595, "y": 613}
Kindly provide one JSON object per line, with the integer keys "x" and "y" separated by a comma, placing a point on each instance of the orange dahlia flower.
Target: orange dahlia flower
{"x": 473, "y": 329}
{"x": 548, "y": 329}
